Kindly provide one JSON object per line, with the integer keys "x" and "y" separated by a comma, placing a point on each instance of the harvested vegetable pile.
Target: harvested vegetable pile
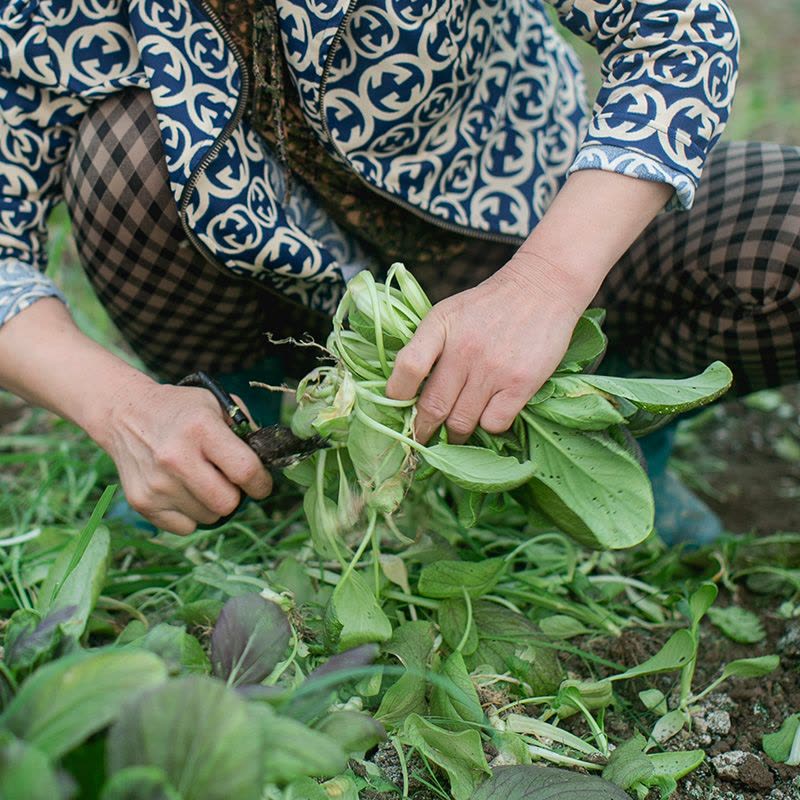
{"x": 569, "y": 457}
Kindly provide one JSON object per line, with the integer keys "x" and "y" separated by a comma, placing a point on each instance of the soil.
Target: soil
{"x": 746, "y": 455}
{"x": 730, "y": 723}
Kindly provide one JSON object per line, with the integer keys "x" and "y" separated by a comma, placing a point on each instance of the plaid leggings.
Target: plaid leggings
{"x": 721, "y": 281}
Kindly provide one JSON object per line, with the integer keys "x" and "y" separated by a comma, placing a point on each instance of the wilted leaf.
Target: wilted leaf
{"x": 751, "y": 667}
{"x": 738, "y": 624}
{"x": 676, "y": 653}
{"x": 249, "y": 639}
{"x": 628, "y": 765}
{"x": 412, "y": 644}
{"x": 546, "y": 783}
{"x": 452, "y": 618}
{"x": 66, "y": 701}
{"x": 701, "y": 601}
{"x": 198, "y": 732}
{"x": 457, "y": 701}
{"x": 509, "y": 641}
{"x": 460, "y": 755}
{"x": 668, "y": 725}
{"x": 593, "y": 695}
{"x": 677, "y": 764}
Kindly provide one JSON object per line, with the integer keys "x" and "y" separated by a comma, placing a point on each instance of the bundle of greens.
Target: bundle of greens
{"x": 569, "y": 458}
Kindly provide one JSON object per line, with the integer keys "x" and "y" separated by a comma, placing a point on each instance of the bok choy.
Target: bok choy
{"x": 569, "y": 456}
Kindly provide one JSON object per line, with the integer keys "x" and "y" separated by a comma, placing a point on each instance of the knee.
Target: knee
{"x": 116, "y": 158}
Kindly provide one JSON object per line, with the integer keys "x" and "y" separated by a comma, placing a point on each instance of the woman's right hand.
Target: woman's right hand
{"x": 179, "y": 462}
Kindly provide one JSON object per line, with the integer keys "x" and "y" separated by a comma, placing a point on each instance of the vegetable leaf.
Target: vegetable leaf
{"x": 199, "y": 732}
{"x": 249, "y": 639}
{"x": 783, "y": 746}
{"x": 546, "y": 783}
{"x": 477, "y": 468}
{"x": 460, "y": 755}
{"x": 590, "y": 486}
{"x": 354, "y": 616}
{"x": 738, "y": 624}
{"x": 667, "y": 396}
{"x": 448, "y": 579}
{"x": 66, "y": 701}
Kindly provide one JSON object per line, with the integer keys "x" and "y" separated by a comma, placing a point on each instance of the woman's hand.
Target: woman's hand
{"x": 490, "y": 348}
{"x": 493, "y": 346}
{"x": 179, "y": 462}
{"x": 178, "y": 459}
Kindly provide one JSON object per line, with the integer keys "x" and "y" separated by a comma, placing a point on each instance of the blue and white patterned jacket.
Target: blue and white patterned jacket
{"x": 469, "y": 111}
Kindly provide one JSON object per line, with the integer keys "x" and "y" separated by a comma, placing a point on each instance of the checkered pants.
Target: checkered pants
{"x": 721, "y": 281}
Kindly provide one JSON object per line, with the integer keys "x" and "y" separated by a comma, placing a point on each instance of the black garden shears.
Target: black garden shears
{"x": 275, "y": 445}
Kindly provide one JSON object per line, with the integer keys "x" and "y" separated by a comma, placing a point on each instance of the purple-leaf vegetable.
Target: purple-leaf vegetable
{"x": 249, "y": 639}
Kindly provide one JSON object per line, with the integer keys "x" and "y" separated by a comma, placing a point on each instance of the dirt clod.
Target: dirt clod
{"x": 744, "y": 768}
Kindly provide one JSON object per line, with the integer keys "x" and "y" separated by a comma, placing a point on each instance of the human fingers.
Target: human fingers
{"x": 165, "y": 501}
{"x": 237, "y": 462}
{"x": 503, "y": 407}
{"x": 414, "y": 362}
{"x": 173, "y": 522}
{"x": 467, "y": 410}
{"x": 439, "y": 396}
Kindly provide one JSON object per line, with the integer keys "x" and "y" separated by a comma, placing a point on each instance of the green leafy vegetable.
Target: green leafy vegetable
{"x": 354, "y": 616}
{"x": 446, "y": 579}
{"x": 249, "y": 639}
{"x": 68, "y": 700}
{"x": 564, "y": 456}
{"x": 783, "y": 746}
{"x": 460, "y": 755}
{"x": 738, "y": 624}
{"x": 546, "y": 783}
{"x": 198, "y": 732}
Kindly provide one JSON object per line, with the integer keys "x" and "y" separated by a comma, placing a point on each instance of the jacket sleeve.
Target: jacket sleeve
{"x": 669, "y": 74}
{"x": 38, "y": 122}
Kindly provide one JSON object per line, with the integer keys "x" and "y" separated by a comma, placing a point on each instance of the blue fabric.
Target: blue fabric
{"x": 470, "y": 113}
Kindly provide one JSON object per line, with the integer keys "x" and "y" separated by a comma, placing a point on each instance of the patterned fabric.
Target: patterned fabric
{"x": 178, "y": 310}
{"x": 721, "y": 281}
{"x": 21, "y": 285}
{"x": 471, "y": 113}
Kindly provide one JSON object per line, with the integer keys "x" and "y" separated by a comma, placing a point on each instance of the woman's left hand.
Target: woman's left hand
{"x": 490, "y": 348}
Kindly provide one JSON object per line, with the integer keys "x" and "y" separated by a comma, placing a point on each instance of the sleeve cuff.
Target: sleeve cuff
{"x": 21, "y": 285}
{"x": 637, "y": 165}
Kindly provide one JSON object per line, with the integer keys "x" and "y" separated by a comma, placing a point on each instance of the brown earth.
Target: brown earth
{"x": 744, "y": 458}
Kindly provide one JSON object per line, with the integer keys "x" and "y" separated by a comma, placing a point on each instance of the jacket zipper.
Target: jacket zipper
{"x": 448, "y": 226}
{"x": 224, "y": 135}
{"x": 238, "y": 112}
{"x": 212, "y": 153}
